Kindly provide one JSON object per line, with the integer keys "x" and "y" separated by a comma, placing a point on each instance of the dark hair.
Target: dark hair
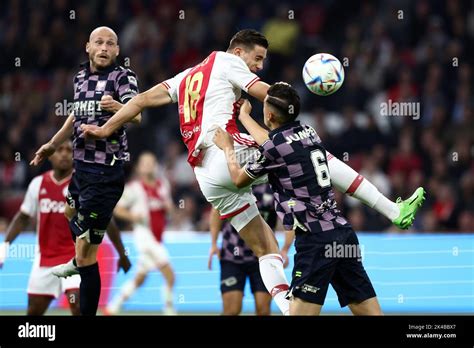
{"x": 248, "y": 38}
{"x": 285, "y": 101}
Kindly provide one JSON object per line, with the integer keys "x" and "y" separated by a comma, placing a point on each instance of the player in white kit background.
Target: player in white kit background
{"x": 145, "y": 203}
{"x": 44, "y": 201}
{"x": 208, "y": 97}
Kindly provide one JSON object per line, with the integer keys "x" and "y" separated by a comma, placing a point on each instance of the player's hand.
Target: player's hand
{"x": 43, "y": 152}
{"x": 108, "y": 103}
{"x": 213, "y": 251}
{"x": 93, "y": 132}
{"x": 3, "y": 252}
{"x": 284, "y": 255}
{"x": 245, "y": 108}
{"x": 223, "y": 139}
{"x": 123, "y": 263}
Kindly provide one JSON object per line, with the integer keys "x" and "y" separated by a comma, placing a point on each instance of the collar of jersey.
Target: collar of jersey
{"x": 86, "y": 65}
{"x": 284, "y": 127}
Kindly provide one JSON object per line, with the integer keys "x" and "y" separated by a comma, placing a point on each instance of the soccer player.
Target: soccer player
{"x": 145, "y": 203}
{"x": 45, "y": 202}
{"x": 297, "y": 167}
{"x": 207, "y": 95}
{"x": 100, "y": 88}
{"x": 238, "y": 262}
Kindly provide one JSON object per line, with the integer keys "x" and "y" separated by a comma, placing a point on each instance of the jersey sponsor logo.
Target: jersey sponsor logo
{"x": 50, "y": 206}
{"x": 86, "y": 108}
{"x": 229, "y": 281}
{"x": 309, "y": 288}
{"x": 303, "y": 134}
{"x": 187, "y": 134}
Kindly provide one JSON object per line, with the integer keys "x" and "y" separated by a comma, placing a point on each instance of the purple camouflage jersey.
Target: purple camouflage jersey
{"x": 89, "y": 87}
{"x": 233, "y": 247}
{"x": 297, "y": 168}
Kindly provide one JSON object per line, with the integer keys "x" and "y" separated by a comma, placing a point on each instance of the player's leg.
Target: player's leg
{"x": 370, "y": 306}
{"x": 233, "y": 279}
{"x": 262, "y": 298}
{"x": 350, "y": 280}
{"x": 259, "y": 237}
{"x": 239, "y": 206}
{"x": 38, "y": 304}
{"x": 299, "y": 306}
{"x": 312, "y": 272}
{"x": 126, "y": 291}
{"x": 70, "y": 286}
{"x": 347, "y": 180}
{"x": 161, "y": 261}
{"x": 99, "y": 193}
{"x": 168, "y": 273}
{"x": 72, "y": 296}
{"x": 232, "y": 302}
{"x": 42, "y": 288}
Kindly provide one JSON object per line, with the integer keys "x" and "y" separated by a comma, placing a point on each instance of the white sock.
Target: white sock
{"x": 167, "y": 296}
{"x": 348, "y": 181}
{"x": 127, "y": 290}
{"x": 273, "y": 276}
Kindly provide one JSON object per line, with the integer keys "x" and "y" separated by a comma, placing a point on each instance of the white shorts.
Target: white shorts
{"x": 152, "y": 254}
{"x": 216, "y": 185}
{"x": 43, "y": 282}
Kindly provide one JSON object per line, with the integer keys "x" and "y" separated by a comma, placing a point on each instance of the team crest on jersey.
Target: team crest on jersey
{"x": 100, "y": 87}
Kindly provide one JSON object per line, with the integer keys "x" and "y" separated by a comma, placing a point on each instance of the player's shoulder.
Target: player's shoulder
{"x": 229, "y": 58}
{"x": 125, "y": 70}
{"x": 81, "y": 73}
{"x": 35, "y": 183}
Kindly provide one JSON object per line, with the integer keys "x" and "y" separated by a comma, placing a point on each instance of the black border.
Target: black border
{"x": 161, "y": 331}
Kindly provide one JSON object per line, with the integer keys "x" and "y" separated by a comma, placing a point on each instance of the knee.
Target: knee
{"x": 140, "y": 279}
{"x": 233, "y": 309}
{"x": 262, "y": 309}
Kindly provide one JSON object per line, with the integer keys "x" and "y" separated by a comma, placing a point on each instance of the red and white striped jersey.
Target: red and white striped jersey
{"x": 45, "y": 201}
{"x": 206, "y": 95}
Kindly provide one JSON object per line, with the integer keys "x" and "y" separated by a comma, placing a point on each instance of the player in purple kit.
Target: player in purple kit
{"x": 100, "y": 88}
{"x": 237, "y": 260}
{"x": 297, "y": 166}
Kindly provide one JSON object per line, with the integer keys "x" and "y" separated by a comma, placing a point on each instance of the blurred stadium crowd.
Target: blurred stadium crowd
{"x": 403, "y": 51}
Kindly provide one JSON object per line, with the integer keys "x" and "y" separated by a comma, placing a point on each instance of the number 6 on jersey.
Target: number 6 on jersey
{"x": 321, "y": 168}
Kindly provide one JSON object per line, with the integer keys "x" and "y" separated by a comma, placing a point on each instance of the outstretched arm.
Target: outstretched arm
{"x": 50, "y": 147}
{"x": 18, "y": 224}
{"x": 258, "y": 133}
{"x": 114, "y": 235}
{"x": 154, "y": 97}
{"x": 225, "y": 142}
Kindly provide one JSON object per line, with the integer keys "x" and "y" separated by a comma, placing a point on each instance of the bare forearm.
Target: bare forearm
{"x": 64, "y": 133}
{"x": 114, "y": 235}
{"x": 215, "y": 224}
{"x": 289, "y": 237}
{"x": 259, "y": 133}
{"x": 18, "y": 224}
{"x": 126, "y": 114}
{"x": 234, "y": 168}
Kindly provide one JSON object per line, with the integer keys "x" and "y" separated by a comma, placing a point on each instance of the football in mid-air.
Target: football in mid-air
{"x": 323, "y": 74}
